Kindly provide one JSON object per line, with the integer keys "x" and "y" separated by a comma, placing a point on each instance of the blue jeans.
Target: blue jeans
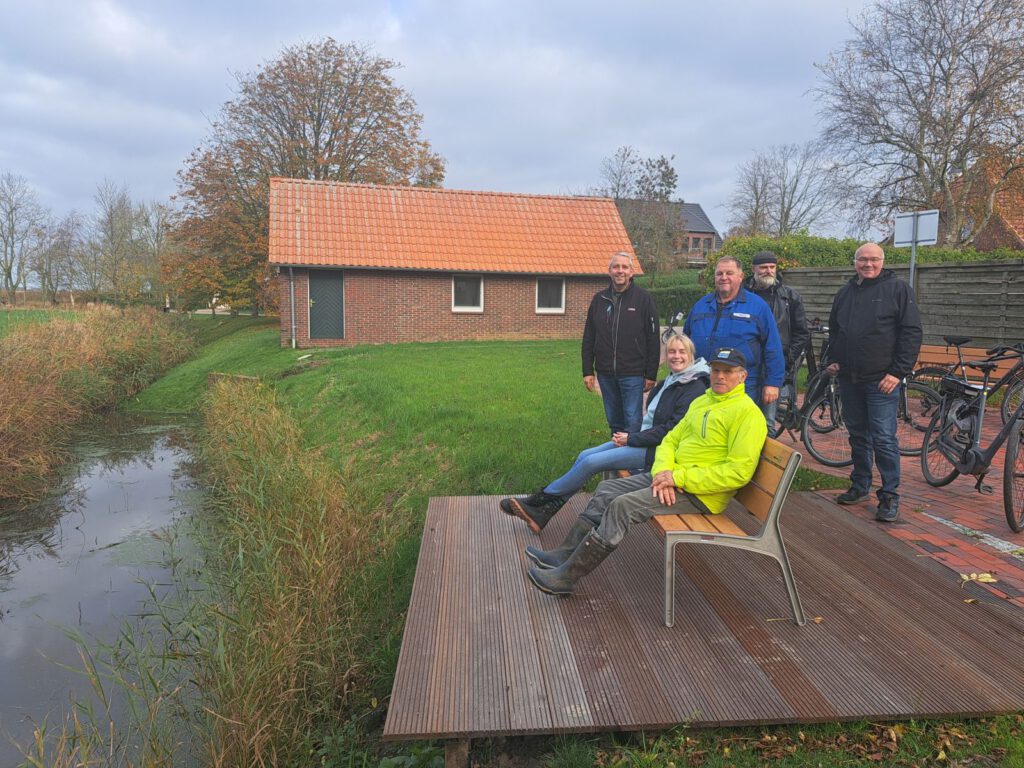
{"x": 623, "y": 401}
{"x": 593, "y": 460}
{"x": 870, "y": 417}
{"x": 770, "y": 409}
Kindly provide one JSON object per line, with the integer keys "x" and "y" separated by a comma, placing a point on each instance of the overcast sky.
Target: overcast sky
{"x": 521, "y": 96}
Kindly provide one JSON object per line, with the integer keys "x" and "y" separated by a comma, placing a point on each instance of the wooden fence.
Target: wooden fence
{"x": 983, "y": 300}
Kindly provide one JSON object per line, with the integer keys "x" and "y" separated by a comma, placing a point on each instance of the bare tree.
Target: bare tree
{"x": 788, "y": 188}
{"x": 21, "y": 221}
{"x": 116, "y": 244}
{"x": 926, "y": 103}
{"x": 643, "y": 189}
{"x": 57, "y": 261}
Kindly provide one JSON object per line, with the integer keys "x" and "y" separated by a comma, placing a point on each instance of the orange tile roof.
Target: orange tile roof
{"x": 319, "y": 223}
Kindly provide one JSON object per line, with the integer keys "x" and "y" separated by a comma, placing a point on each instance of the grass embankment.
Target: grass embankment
{"x": 57, "y": 368}
{"x": 323, "y": 478}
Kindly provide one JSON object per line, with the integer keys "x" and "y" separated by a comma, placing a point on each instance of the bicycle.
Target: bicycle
{"x": 821, "y": 423}
{"x": 671, "y": 330}
{"x": 1012, "y": 380}
{"x": 953, "y": 442}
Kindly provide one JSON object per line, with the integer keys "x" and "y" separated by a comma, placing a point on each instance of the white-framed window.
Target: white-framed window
{"x": 550, "y": 295}
{"x": 467, "y": 293}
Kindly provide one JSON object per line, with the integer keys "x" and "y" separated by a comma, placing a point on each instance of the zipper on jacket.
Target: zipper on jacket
{"x": 704, "y": 423}
{"x": 617, "y": 309}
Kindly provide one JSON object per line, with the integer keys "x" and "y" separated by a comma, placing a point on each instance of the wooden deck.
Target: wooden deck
{"x": 486, "y": 654}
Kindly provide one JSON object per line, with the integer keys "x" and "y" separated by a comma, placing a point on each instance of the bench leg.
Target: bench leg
{"x": 778, "y": 550}
{"x": 670, "y": 582}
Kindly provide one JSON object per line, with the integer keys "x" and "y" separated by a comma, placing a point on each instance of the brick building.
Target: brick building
{"x": 367, "y": 264}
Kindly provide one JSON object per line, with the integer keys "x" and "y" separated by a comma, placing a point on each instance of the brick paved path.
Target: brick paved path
{"x": 961, "y": 528}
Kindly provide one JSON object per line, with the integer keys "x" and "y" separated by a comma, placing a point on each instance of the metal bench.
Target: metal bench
{"x": 763, "y": 497}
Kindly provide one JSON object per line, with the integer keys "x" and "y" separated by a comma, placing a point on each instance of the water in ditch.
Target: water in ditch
{"x": 84, "y": 559}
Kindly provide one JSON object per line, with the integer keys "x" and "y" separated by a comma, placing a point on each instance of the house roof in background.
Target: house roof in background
{"x": 330, "y": 224}
{"x": 695, "y": 220}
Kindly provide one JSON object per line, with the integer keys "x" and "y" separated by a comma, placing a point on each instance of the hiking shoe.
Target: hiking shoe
{"x": 852, "y": 496}
{"x": 535, "y": 498}
{"x": 888, "y": 508}
{"x": 538, "y": 515}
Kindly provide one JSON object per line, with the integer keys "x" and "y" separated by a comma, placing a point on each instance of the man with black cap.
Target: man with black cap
{"x": 699, "y": 466}
{"x": 788, "y": 308}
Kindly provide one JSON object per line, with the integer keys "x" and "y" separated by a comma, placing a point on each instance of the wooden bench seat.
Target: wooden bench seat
{"x": 762, "y": 498}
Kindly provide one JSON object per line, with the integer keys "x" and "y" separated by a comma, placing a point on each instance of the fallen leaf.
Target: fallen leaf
{"x": 817, "y": 619}
{"x": 970, "y": 600}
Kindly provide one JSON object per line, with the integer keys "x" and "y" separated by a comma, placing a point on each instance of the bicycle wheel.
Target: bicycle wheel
{"x": 824, "y": 431}
{"x": 942, "y": 440}
{"x": 785, "y": 411}
{"x": 1011, "y": 400}
{"x": 917, "y": 404}
{"x": 929, "y": 375}
{"x": 823, "y": 388}
{"x": 1013, "y": 478}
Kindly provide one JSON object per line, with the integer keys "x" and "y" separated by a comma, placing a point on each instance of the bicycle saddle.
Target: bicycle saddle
{"x": 956, "y": 341}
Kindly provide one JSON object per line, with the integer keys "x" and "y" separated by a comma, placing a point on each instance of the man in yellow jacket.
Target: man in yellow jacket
{"x": 700, "y": 464}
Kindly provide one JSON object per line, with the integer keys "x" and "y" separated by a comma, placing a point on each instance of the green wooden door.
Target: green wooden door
{"x": 326, "y": 304}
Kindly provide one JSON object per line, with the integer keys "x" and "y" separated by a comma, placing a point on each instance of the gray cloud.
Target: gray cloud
{"x": 525, "y": 96}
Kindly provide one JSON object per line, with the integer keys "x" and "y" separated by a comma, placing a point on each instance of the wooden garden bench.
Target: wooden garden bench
{"x": 945, "y": 356}
{"x": 763, "y": 497}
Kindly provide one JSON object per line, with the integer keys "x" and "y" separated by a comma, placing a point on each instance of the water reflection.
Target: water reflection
{"x": 82, "y": 558}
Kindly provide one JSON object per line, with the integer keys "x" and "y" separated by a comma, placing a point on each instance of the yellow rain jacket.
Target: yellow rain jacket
{"x": 714, "y": 450}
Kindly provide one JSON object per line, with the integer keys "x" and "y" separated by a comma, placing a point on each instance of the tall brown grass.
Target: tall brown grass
{"x": 294, "y": 548}
{"x": 54, "y": 373}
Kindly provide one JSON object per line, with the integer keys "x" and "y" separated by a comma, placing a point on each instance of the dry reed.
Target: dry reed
{"x": 55, "y": 373}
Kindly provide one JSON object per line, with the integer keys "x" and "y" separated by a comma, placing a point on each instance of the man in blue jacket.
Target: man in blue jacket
{"x": 736, "y": 318}
{"x": 621, "y": 344}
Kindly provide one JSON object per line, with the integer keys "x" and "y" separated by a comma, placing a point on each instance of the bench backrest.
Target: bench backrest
{"x": 757, "y": 495}
{"x": 937, "y": 354}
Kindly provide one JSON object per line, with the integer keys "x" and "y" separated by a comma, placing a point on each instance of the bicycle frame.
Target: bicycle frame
{"x": 973, "y": 459}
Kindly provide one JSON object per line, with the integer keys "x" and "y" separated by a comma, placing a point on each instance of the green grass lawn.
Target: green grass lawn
{"x": 402, "y": 423}
{"x": 9, "y": 318}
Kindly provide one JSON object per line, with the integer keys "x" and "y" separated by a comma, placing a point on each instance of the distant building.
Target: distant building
{"x": 702, "y": 237}
{"x": 368, "y": 264}
{"x": 1005, "y": 228}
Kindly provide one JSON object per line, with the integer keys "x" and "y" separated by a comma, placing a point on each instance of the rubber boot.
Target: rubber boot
{"x": 553, "y": 558}
{"x": 533, "y": 499}
{"x": 888, "y": 507}
{"x": 590, "y": 553}
{"x": 537, "y": 515}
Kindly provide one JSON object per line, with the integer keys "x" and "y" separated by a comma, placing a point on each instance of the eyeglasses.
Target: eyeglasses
{"x": 862, "y": 260}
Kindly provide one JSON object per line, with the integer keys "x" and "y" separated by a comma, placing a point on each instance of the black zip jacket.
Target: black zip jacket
{"x": 620, "y": 337}
{"x": 670, "y": 410}
{"x": 788, "y": 307}
{"x": 874, "y": 328}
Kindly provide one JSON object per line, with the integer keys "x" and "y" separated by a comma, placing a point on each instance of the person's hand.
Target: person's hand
{"x": 649, "y": 384}
{"x": 590, "y": 382}
{"x": 621, "y": 439}
{"x": 888, "y": 384}
{"x": 833, "y": 369}
{"x": 663, "y": 486}
{"x": 769, "y": 394}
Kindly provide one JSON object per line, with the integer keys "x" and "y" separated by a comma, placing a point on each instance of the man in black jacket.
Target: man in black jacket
{"x": 874, "y": 337}
{"x": 620, "y": 343}
{"x": 787, "y": 306}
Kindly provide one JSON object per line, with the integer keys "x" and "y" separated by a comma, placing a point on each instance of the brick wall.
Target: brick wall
{"x": 383, "y": 307}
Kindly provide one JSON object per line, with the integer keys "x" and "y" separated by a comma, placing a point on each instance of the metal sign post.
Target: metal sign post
{"x": 914, "y": 229}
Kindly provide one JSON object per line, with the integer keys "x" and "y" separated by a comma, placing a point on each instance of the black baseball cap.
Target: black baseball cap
{"x": 729, "y": 356}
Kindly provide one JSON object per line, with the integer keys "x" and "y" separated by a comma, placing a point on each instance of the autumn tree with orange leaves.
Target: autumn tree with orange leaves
{"x": 321, "y": 111}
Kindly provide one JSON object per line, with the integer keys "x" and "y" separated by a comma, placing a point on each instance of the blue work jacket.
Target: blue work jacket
{"x": 746, "y": 323}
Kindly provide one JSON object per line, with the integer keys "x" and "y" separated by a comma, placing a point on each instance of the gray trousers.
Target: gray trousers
{"x": 624, "y": 501}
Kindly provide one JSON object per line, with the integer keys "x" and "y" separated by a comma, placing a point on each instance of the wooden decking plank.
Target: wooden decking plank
{"x": 528, "y": 704}
{"x": 416, "y": 656}
{"x": 896, "y": 639}
{"x": 698, "y": 659}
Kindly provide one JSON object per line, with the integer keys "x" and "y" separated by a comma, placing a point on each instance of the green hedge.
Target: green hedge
{"x": 808, "y": 251}
{"x": 675, "y": 299}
